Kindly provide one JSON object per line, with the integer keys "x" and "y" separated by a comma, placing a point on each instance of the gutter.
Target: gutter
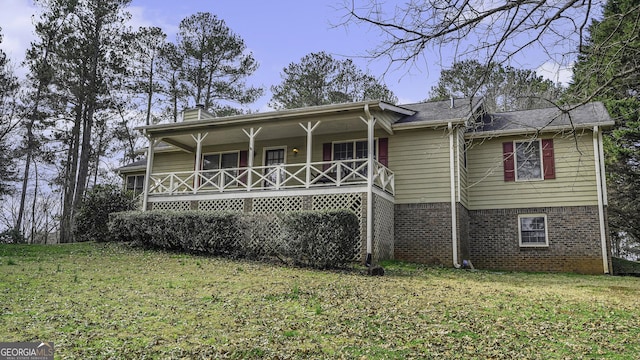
{"x": 599, "y": 183}
{"x": 530, "y": 130}
{"x": 454, "y": 214}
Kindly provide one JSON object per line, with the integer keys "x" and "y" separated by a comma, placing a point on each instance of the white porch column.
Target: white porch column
{"x": 371, "y": 122}
{"x": 309, "y": 130}
{"x": 198, "y": 138}
{"x": 147, "y": 175}
{"x": 252, "y": 133}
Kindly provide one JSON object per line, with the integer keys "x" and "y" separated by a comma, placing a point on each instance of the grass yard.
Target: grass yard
{"x": 110, "y": 301}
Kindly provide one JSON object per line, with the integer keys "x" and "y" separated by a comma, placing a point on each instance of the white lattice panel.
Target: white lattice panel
{"x": 350, "y": 201}
{"x": 172, "y": 205}
{"x": 383, "y": 219}
{"x": 273, "y": 205}
{"x": 233, "y": 205}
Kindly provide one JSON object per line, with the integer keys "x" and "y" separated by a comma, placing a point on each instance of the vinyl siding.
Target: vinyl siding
{"x": 172, "y": 162}
{"x": 574, "y": 185}
{"x": 463, "y": 178}
{"x": 420, "y": 161}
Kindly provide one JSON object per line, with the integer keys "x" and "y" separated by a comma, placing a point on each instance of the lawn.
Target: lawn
{"x": 111, "y": 301}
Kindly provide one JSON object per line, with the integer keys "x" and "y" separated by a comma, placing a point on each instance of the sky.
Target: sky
{"x": 277, "y": 32}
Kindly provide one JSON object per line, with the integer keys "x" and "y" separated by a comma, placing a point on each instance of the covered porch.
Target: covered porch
{"x": 319, "y": 158}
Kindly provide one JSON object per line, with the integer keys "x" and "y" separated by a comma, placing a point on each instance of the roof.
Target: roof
{"x": 537, "y": 120}
{"x": 441, "y": 111}
{"x": 134, "y": 166}
{"x": 298, "y": 113}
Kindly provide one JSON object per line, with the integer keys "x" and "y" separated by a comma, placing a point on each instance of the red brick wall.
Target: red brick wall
{"x": 574, "y": 240}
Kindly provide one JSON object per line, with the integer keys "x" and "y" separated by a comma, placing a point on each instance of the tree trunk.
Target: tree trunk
{"x": 69, "y": 185}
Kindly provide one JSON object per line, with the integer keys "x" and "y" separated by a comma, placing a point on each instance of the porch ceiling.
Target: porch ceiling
{"x": 220, "y": 131}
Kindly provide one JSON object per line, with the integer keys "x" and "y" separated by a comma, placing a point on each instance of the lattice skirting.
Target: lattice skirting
{"x": 383, "y": 231}
{"x": 232, "y": 205}
{"x": 171, "y": 205}
{"x": 356, "y": 202}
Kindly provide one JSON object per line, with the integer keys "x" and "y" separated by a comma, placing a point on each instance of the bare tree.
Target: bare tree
{"x": 492, "y": 31}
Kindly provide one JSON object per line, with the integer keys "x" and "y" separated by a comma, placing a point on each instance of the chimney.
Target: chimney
{"x": 200, "y": 107}
{"x": 452, "y": 102}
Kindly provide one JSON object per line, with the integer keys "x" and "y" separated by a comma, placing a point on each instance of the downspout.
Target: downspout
{"x": 370, "y": 124}
{"x": 599, "y": 183}
{"x": 454, "y": 215}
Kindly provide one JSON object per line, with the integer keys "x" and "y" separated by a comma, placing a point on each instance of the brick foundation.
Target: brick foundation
{"x": 574, "y": 241}
{"x": 423, "y": 233}
{"x": 489, "y": 238}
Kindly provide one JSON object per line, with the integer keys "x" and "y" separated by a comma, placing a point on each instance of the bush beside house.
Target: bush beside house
{"x": 310, "y": 238}
{"x": 91, "y": 222}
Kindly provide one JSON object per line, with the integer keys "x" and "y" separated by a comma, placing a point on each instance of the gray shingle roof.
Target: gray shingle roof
{"x": 440, "y": 111}
{"x": 587, "y": 115}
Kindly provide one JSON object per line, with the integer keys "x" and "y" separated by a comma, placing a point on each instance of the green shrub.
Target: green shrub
{"x": 320, "y": 239}
{"x": 91, "y": 221}
{"x": 11, "y": 236}
{"x": 317, "y": 239}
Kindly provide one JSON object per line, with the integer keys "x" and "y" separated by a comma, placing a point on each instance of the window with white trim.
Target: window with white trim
{"x": 135, "y": 183}
{"x": 228, "y": 160}
{"x": 354, "y": 150}
{"x": 528, "y": 160}
{"x": 532, "y": 230}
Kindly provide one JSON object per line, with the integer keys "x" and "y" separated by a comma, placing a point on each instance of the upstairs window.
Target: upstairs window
{"x": 528, "y": 160}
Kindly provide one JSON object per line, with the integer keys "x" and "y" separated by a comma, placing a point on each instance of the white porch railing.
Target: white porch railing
{"x": 277, "y": 177}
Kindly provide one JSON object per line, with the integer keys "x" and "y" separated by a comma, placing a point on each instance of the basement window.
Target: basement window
{"x": 532, "y": 229}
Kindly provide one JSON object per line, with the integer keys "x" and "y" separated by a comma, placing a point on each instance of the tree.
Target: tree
{"x": 145, "y": 51}
{"x": 504, "y": 88}
{"x": 215, "y": 63}
{"x": 607, "y": 70}
{"x": 85, "y": 63}
{"x": 8, "y": 123}
{"x": 175, "y": 89}
{"x": 319, "y": 79}
{"x": 491, "y": 31}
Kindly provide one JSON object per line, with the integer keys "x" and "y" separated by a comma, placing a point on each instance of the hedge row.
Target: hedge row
{"x": 318, "y": 239}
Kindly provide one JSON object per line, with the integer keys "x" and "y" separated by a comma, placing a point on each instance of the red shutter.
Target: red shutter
{"x": 383, "y": 151}
{"x": 509, "y": 161}
{"x": 548, "y": 161}
{"x": 326, "y": 155}
{"x": 243, "y": 163}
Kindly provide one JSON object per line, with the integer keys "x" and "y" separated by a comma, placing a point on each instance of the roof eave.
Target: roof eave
{"x": 283, "y": 114}
{"x": 524, "y": 131}
{"x": 427, "y": 124}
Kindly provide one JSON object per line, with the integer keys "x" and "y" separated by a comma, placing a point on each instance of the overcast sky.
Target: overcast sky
{"x": 278, "y": 32}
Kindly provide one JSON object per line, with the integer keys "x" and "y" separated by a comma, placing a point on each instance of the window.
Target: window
{"x": 533, "y": 230}
{"x": 135, "y": 183}
{"x": 529, "y": 160}
{"x": 221, "y": 161}
{"x": 353, "y": 150}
